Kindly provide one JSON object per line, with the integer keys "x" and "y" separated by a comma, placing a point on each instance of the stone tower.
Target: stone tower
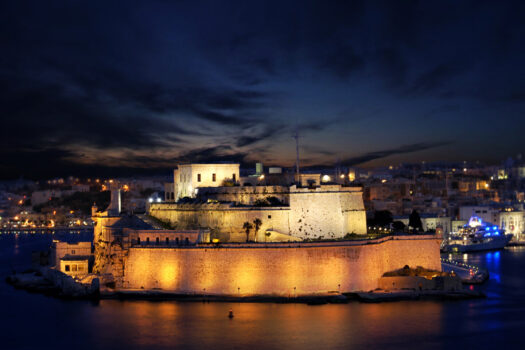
{"x": 103, "y": 233}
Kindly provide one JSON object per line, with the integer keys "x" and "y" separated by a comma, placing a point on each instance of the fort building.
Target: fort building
{"x": 290, "y": 212}
{"x": 205, "y": 252}
{"x": 131, "y": 254}
{"x": 73, "y": 259}
{"x": 309, "y": 209}
{"x": 188, "y": 177}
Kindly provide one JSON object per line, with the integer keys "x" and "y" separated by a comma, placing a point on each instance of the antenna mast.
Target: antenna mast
{"x": 296, "y": 137}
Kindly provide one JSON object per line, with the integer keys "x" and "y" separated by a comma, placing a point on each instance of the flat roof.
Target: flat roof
{"x": 75, "y": 258}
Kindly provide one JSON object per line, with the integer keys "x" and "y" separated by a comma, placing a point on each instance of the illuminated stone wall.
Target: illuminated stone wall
{"x": 186, "y": 177}
{"x": 225, "y": 221}
{"x": 277, "y": 269}
{"x": 329, "y": 211}
{"x": 246, "y": 195}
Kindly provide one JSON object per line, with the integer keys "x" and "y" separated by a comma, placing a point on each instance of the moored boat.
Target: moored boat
{"x": 476, "y": 236}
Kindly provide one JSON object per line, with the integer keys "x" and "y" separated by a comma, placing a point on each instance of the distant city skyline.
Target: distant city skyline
{"x": 86, "y": 88}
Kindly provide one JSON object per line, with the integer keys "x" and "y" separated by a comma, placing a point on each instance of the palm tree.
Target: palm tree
{"x": 257, "y": 223}
{"x": 247, "y": 227}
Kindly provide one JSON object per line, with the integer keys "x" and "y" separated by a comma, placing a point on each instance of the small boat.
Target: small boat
{"x": 476, "y": 236}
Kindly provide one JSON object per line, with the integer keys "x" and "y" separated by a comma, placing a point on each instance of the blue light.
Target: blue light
{"x": 495, "y": 227}
{"x": 496, "y": 233}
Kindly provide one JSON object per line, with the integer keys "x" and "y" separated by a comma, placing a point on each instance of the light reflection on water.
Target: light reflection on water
{"x": 290, "y": 326}
{"x": 495, "y": 321}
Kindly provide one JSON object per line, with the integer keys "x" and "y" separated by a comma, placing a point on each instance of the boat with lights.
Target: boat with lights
{"x": 477, "y": 235}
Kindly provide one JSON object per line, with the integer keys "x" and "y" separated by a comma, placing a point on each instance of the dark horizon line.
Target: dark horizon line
{"x": 86, "y": 172}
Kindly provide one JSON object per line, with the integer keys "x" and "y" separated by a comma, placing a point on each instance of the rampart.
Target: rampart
{"x": 327, "y": 211}
{"x": 225, "y": 220}
{"x": 290, "y": 269}
{"x": 246, "y": 195}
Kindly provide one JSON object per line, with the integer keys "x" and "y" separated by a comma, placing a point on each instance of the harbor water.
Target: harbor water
{"x": 33, "y": 321}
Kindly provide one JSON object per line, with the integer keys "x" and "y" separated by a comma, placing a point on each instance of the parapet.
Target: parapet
{"x": 325, "y": 189}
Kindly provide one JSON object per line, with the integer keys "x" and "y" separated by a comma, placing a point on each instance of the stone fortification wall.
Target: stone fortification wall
{"x": 327, "y": 211}
{"x": 246, "y": 195}
{"x": 102, "y": 242}
{"x": 277, "y": 269}
{"x": 224, "y": 220}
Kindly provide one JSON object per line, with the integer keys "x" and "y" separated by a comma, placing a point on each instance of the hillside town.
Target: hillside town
{"x": 420, "y": 197}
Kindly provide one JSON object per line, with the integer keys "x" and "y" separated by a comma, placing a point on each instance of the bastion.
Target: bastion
{"x": 286, "y": 270}
{"x": 131, "y": 254}
{"x": 322, "y": 212}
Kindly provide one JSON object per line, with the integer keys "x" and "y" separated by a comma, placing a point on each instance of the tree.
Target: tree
{"x": 414, "y": 221}
{"x": 398, "y": 226}
{"x": 257, "y": 223}
{"x": 382, "y": 218}
{"x": 247, "y": 227}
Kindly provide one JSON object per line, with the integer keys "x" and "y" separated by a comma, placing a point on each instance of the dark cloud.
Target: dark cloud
{"x": 153, "y": 82}
{"x": 436, "y": 77}
{"x": 223, "y": 153}
{"x": 416, "y": 147}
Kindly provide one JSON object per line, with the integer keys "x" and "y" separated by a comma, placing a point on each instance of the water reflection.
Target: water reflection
{"x": 139, "y": 324}
{"x": 167, "y": 325}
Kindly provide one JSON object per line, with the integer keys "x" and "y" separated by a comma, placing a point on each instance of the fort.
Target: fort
{"x": 275, "y": 269}
{"x": 215, "y": 197}
{"x": 329, "y": 211}
{"x": 245, "y": 241}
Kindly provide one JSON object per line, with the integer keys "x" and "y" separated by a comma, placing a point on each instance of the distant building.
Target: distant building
{"x": 513, "y": 222}
{"x": 187, "y": 178}
{"x": 39, "y": 197}
{"x": 431, "y": 223}
{"x": 74, "y": 259}
{"x": 486, "y": 213}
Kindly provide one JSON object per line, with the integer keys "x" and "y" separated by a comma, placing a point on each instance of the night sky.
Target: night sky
{"x": 99, "y": 87}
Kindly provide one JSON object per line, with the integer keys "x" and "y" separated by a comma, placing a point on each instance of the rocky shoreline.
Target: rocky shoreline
{"x": 56, "y": 284}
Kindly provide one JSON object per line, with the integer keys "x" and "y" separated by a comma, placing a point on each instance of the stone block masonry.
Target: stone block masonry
{"x": 291, "y": 269}
{"x": 329, "y": 212}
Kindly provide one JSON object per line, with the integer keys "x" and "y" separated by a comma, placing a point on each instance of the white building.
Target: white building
{"x": 432, "y": 223}
{"x": 513, "y": 222}
{"x": 187, "y": 178}
{"x": 487, "y": 214}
